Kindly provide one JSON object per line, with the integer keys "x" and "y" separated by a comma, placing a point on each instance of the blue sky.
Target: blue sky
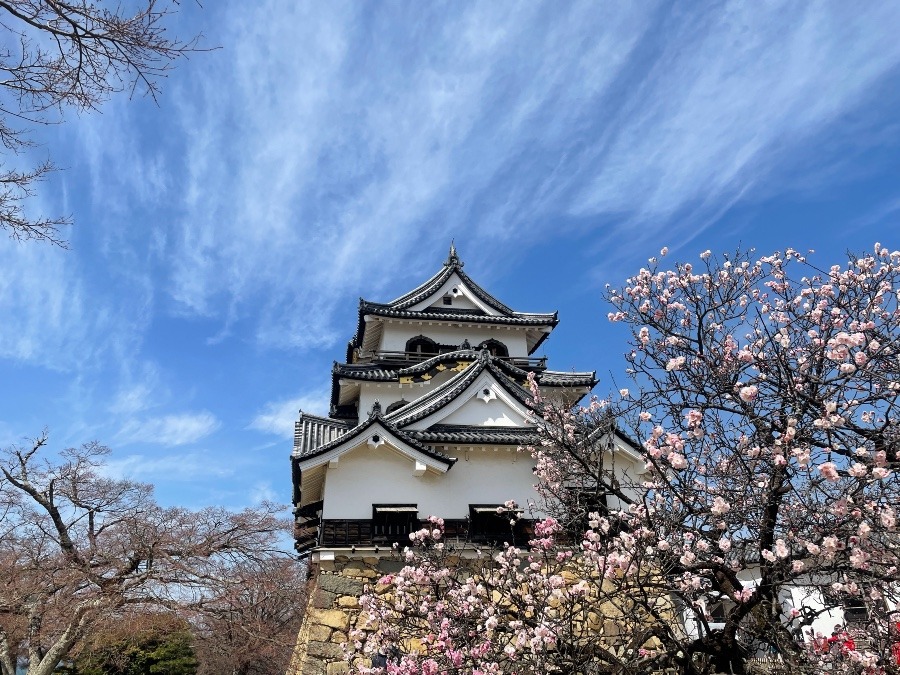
{"x": 329, "y": 151}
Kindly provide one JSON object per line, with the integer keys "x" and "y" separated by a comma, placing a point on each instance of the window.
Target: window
{"x": 591, "y": 501}
{"x": 855, "y": 611}
{"x": 396, "y": 405}
{"x": 421, "y": 345}
{"x": 855, "y": 607}
{"x": 580, "y": 504}
{"x": 448, "y": 299}
{"x": 489, "y": 527}
{"x": 394, "y": 522}
{"x": 495, "y": 347}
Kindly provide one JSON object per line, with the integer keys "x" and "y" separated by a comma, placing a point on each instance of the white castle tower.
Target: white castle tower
{"x": 428, "y": 415}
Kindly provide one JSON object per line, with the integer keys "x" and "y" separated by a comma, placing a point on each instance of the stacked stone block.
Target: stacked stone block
{"x": 332, "y": 611}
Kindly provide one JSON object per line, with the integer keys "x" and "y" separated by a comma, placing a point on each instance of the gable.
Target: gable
{"x": 485, "y": 402}
{"x": 462, "y": 297}
{"x": 374, "y": 436}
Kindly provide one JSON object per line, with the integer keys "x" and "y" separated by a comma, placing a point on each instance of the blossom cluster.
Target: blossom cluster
{"x": 764, "y": 437}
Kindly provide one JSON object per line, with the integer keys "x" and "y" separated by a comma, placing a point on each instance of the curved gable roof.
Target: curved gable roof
{"x": 399, "y": 440}
{"x": 446, "y": 392}
{"x": 402, "y": 307}
{"x": 451, "y": 264}
{"x": 452, "y": 360}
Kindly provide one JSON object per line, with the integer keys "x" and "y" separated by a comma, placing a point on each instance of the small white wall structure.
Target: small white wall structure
{"x": 806, "y": 594}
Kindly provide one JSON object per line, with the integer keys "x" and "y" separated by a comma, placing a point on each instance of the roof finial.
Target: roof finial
{"x": 376, "y": 410}
{"x": 453, "y": 258}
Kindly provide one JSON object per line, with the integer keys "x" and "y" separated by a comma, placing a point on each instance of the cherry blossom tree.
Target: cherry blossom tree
{"x": 77, "y": 546}
{"x": 763, "y": 404}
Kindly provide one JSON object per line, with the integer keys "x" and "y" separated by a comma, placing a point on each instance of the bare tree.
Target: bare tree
{"x": 76, "y": 546}
{"x": 56, "y": 55}
{"x": 248, "y": 625}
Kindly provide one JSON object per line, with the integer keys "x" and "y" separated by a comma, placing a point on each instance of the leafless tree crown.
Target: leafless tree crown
{"x": 56, "y": 55}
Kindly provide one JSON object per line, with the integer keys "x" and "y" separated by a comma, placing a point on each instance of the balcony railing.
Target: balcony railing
{"x": 525, "y": 363}
{"x": 344, "y": 533}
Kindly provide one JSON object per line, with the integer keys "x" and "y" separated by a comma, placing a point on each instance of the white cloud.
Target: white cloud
{"x": 278, "y": 417}
{"x": 341, "y": 166}
{"x": 140, "y": 388}
{"x": 731, "y": 96}
{"x": 262, "y": 492}
{"x": 169, "y": 429}
{"x": 886, "y": 211}
{"x": 179, "y": 467}
{"x": 46, "y": 319}
{"x": 333, "y": 144}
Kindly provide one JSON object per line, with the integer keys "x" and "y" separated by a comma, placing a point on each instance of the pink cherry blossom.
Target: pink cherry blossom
{"x": 772, "y": 384}
{"x": 749, "y": 393}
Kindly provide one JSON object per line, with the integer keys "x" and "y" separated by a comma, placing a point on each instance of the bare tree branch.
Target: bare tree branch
{"x": 77, "y": 546}
{"x": 59, "y": 55}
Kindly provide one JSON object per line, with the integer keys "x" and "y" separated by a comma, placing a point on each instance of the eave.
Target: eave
{"x": 448, "y": 391}
{"x": 582, "y": 382}
{"x": 387, "y": 434}
{"x": 401, "y": 309}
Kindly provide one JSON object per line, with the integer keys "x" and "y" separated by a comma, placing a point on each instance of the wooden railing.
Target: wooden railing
{"x": 343, "y": 533}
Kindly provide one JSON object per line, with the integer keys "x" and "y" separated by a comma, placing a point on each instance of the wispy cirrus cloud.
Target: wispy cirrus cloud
{"x": 42, "y": 301}
{"x": 181, "y": 429}
{"x": 278, "y": 417}
{"x": 179, "y": 467}
{"x": 331, "y": 144}
{"x": 729, "y": 105}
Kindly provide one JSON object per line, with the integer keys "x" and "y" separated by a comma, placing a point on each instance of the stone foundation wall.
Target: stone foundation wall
{"x": 332, "y": 611}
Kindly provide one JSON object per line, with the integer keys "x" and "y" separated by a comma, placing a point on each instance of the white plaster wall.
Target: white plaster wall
{"x": 499, "y": 409}
{"x": 476, "y": 412}
{"x": 367, "y": 476}
{"x": 629, "y": 471}
{"x": 396, "y": 334}
{"x": 386, "y": 393}
{"x": 811, "y": 597}
{"x": 564, "y": 396}
{"x": 460, "y": 301}
{"x": 462, "y": 297}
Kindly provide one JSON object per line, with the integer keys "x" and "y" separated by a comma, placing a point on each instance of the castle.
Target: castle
{"x": 429, "y": 414}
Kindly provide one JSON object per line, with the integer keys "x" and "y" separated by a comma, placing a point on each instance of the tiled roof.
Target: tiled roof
{"x": 399, "y": 307}
{"x": 451, "y": 264}
{"x": 373, "y": 372}
{"x": 310, "y": 431}
{"x": 554, "y": 378}
{"x": 428, "y": 364}
{"x": 433, "y": 314}
{"x": 379, "y": 373}
{"x": 372, "y": 420}
{"x": 445, "y": 392}
{"x": 475, "y": 435}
